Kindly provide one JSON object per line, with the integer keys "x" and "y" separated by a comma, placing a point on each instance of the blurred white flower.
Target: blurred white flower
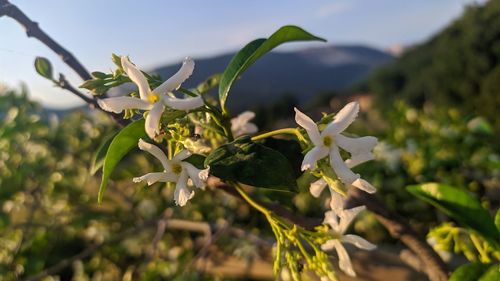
{"x": 175, "y": 170}
{"x": 339, "y": 224}
{"x": 330, "y": 139}
{"x": 240, "y": 124}
{"x": 153, "y": 100}
{"x": 336, "y": 200}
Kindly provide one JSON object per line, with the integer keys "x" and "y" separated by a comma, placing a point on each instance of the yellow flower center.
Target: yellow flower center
{"x": 176, "y": 169}
{"x": 327, "y": 140}
{"x": 152, "y": 98}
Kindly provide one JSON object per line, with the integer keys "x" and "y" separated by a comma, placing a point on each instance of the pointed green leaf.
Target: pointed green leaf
{"x": 44, "y": 67}
{"x": 121, "y": 144}
{"x": 251, "y": 163}
{"x": 253, "y": 51}
{"x": 100, "y": 155}
{"x": 476, "y": 272}
{"x": 460, "y": 206}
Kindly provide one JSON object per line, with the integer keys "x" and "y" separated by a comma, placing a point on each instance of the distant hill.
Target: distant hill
{"x": 302, "y": 74}
{"x": 459, "y": 66}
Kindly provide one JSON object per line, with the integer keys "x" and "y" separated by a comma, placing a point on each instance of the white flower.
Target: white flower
{"x": 240, "y": 124}
{"x": 339, "y": 224}
{"x": 336, "y": 200}
{"x": 175, "y": 170}
{"x": 330, "y": 139}
{"x": 153, "y": 100}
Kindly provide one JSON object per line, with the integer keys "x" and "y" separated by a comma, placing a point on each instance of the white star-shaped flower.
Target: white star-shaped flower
{"x": 175, "y": 170}
{"x": 330, "y": 139}
{"x": 336, "y": 201}
{"x": 153, "y": 100}
{"x": 339, "y": 224}
{"x": 241, "y": 125}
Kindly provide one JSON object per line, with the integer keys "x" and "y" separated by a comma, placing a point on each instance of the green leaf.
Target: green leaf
{"x": 196, "y": 160}
{"x": 253, "y": 51}
{"x": 476, "y": 272}
{"x": 497, "y": 220}
{"x": 251, "y": 163}
{"x": 469, "y": 272}
{"x": 122, "y": 143}
{"x": 100, "y": 155}
{"x": 460, "y": 206}
{"x": 493, "y": 274}
{"x": 290, "y": 149}
{"x": 209, "y": 83}
{"x": 44, "y": 67}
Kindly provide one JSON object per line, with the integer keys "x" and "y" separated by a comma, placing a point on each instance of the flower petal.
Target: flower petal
{"x": 317, "y": 187}
{"x": 157, "y": 177}
{"x": 344, "y": 260}
{"x": 342, "y": 119}
{"x": 356, "y": 145}
{"x": 243, "y": 117}
{"x": 181, "y": 155}
{"x": 359, "y": 159}
{"x": 152, "y": 125}
{"x": 182, "y": 193}
{"x": 178, "y": 78}
{"x": 204, "y": 174}
{"x": 339, "y": 166}
{"x": 313, "y": 156}
{"x": 364, "y": 185}
{"x": 328, "y": 245}
{"x": 156, "y": 152}
{"x": 183, "y": 104}
{"x": 118, "y": 104}
{"x": 308, "y": 124}
{"x": 336, "y": 201}
{"x": 332, "y": 219}
{"x": 358, "y": 242}
{"x": 347, "y": 216}
{"x": 137, "y": 77}
{"x": 194, "y": 174}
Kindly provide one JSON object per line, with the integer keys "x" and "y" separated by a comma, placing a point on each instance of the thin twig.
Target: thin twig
{"x": 33, "y": 30}
{"x": 434, "y": 267}
{"x": 399, "y": 228}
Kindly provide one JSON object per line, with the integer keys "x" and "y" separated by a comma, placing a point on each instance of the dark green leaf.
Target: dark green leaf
{"x": 197, "y": 160}
{"x": 99, "y": 75}
{"x": 493, "y": 274}
{"x": 124, "y": 141}
{"x": 253, "y": 51}
{"x": 251, "y": 163}
{"x": 44, "y": 67}
{"x": 470, "y": 272}
{"x": 290, "y": 149}
{"x": 99, "y": 156}
{"x": 460, "y": 206}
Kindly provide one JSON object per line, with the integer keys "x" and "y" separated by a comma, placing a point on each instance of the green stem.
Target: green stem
{"x": 284, "y": 131}
{"x": 484, "y": 256}
{"x": 252, "y": 203}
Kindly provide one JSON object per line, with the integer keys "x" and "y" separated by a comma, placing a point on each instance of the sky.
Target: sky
{"x": 155, "y": 33}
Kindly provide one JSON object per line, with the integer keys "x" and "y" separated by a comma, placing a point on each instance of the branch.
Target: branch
{"x": 33, "y": 30}
{"x": 434, "y": 266}
{"x": 399, "y": 228}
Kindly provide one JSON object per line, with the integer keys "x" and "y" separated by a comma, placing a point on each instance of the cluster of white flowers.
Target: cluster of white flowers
{"x": 154, "y": 101}
{"x": 187, "y": 177}
{"x": 328, "y": 143}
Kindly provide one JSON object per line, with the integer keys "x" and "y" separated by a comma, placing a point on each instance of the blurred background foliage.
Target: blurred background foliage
{"x": 434, "y": 111}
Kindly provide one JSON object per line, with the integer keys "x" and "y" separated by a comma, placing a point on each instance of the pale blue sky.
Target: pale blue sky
{"x": 159, "y": 32}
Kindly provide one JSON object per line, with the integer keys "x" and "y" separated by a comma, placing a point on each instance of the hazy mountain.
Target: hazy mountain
{"x": 302, "y": 73}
